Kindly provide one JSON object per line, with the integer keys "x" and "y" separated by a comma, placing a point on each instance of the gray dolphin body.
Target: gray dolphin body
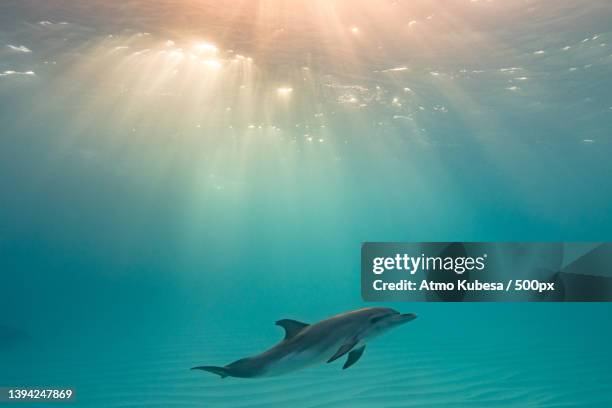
{"x": 307, "y": 344}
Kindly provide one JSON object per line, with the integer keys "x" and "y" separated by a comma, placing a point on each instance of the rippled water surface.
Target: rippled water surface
{"x": 175, "y": 176}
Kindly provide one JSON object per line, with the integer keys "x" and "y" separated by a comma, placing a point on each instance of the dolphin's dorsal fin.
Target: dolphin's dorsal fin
{"x": 292, "y": 327}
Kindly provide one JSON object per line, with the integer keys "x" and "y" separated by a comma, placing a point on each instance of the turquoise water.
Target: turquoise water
{"x": 176, "y": 176}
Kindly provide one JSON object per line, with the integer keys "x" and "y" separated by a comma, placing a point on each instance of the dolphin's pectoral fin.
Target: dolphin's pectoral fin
{"x": 353, "y": 357}
{"x": 345, "y": 348}
{"x": 292, "y": 327}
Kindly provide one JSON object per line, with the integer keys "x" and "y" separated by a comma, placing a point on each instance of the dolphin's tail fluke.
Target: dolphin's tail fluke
{"x": 221, "y": 371}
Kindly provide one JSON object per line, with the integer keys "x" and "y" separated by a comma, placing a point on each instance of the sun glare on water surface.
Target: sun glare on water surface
{"x": 274, "y": 77}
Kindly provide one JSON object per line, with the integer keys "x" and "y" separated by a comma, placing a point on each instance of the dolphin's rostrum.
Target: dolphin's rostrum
{"x": 307, "y": 344}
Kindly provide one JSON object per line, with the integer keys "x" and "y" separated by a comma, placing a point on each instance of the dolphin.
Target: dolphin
{"x": 308, "y": 344}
